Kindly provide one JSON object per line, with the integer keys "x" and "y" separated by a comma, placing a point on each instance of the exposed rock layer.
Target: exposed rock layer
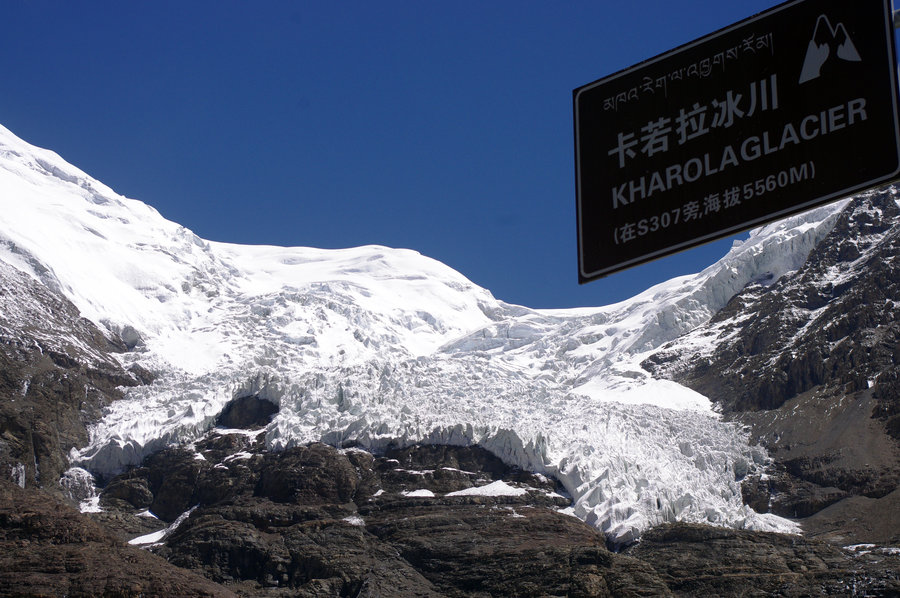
{"x": 316, "y": 521}
{"x": 49, "y": 549}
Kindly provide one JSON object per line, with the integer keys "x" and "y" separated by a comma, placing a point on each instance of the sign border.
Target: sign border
{"x": 584, "y": 277}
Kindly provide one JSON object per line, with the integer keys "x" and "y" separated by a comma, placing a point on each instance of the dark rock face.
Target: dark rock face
{"x": 311, "y": 475}
{"x": 786, "y": 495}
{"x": 493, "y": 549}
{"x": 263, "y": 547}
{"x": 318, "y": 521}
{"x": 128, "y": 492}
{"x": 832, "y": 323}
{"x": 49, "y": 549}
{"x": 811, "y": 364}
{"x": 247, "y": 413}
{"x": 56, "y": 374}
{"x": 698, "y": 560}
{"x": 875, "y": 519}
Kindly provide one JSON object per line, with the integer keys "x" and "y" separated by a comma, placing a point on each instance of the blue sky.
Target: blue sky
{"x": 444, "y": 127}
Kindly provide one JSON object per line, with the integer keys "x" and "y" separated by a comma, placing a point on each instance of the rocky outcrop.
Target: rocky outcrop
{"x": 832, "y": 323}
{"x": 56, "y": 375}
{"x": 324, "y": 521}
{"x": 49, "y": 549}
{"x": 442, "y": 521}
{"x": 390, "y": 526}
{"x": 695, "y": 560}
{"x": 810, "y": 363}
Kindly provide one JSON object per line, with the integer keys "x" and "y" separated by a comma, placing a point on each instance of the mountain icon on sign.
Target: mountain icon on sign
{"x": 827, "y": 44}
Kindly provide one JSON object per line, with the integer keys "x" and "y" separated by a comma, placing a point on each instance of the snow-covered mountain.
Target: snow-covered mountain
{"x": 378, "y": 346}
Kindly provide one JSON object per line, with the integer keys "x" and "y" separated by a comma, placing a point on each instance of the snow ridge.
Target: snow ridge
{"x": 379, "y": 346}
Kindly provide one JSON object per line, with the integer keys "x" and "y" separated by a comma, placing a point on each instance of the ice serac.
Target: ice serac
{"x": 385, "y": 347}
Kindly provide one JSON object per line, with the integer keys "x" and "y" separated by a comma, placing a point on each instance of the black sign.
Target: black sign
{"x": 786, "y": 110}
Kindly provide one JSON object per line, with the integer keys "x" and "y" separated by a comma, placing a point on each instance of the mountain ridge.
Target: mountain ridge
{"x": 810, "y": 364}
{"x": 379, "y": 347}
{"x": 404, "y": 432}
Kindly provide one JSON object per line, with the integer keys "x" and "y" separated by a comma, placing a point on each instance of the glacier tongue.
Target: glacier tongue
{"x": 379, "y": 346}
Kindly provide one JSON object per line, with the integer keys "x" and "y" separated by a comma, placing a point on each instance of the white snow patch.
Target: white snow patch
{"x": 17, "y": 474}
{"x": 660, "y": 393}
{"x": 240, "y": 456}
{"x": 498, "y": 488}
{"x": 419, "y": 472}
{"x": 553, "y": 494}
{"x": 152, "y": 538}
{"x": 355, "y": 520}
{"x": 251, "y": 434}
{"x": 158, "y": 536}
{"x": 78, "y": 485}
{"x": 461, "y": 471}
{"x": 90, "y": 505}
{"x": 420, "y": 493}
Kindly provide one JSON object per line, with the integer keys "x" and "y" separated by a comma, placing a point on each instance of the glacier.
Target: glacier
{"x": 376, "y": 347}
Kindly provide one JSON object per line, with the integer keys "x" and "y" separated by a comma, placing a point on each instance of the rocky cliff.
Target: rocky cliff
{"x": 810, "y": 363}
